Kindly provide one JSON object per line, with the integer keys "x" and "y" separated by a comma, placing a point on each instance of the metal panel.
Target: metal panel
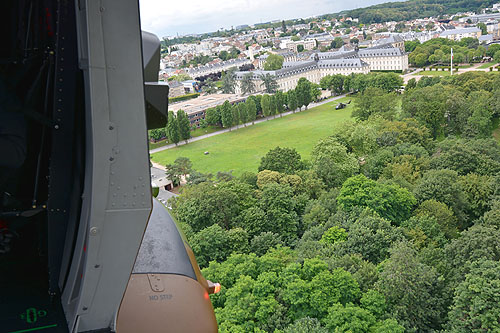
{"x": 162, "y": 249}
{"x": 117, "y": 163}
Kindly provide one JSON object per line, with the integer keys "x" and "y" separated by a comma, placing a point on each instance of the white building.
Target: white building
{"x": 458, "y": 34}
{"x": 345, "y": 62}
{"x": 385, "y": 59}
{"x": 308, "y": 44}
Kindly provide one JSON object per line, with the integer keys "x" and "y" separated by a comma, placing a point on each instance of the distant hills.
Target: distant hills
{"x": 413, "y": 9}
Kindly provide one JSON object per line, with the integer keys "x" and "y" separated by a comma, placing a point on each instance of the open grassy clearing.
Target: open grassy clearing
{"x": 434, "y": 73}
{"x": 487, "y": 65}
{"x": 496, "y": 129}
{"x": 194, "y": 133}
{"x": 241, "y": 150}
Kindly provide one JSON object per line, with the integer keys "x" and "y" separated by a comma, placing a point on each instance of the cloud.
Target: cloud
{"x": 167, "y": 17}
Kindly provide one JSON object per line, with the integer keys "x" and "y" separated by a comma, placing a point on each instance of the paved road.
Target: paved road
{"x": 201, "y": 137}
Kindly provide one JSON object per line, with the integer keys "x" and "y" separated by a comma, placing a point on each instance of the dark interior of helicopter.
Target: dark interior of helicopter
{"x": 42, "y": 146}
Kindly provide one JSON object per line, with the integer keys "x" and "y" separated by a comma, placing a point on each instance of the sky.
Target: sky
{"x": 172, "y": 17}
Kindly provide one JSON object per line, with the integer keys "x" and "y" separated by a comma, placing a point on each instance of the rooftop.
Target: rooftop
{"x": 460, "y": 31}
{"x": 202, "y": 103}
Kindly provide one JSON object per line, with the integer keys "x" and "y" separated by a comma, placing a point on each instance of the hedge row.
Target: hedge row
{"x": 183, "y": 97}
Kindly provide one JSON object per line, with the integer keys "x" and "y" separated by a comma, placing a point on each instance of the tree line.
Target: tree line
{"x": 393, "y": 225}
{"x": 412, "y": 9}
{"x": 438, "y": 50}
{"x": 227, "y": 115}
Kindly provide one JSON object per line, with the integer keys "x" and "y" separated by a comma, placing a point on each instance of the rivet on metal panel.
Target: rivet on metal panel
{"x": 94, "y": 231}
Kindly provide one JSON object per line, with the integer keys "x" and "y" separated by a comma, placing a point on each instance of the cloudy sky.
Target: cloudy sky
{"x": 172, "y": 17}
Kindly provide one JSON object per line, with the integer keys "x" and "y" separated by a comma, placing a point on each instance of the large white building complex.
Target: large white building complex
{"x": 380, "y": 58}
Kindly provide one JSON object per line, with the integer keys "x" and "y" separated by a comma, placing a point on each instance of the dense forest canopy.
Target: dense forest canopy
{"x": 392, "y": 226}
{"x": 412, "y": 9}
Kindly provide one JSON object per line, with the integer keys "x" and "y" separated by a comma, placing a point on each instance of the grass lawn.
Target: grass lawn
{"x": 202, "y": 131}
{"x": 487, "y": 65}
{"x": 196, "y": 132}
{"x": 153, "y": 145}
{"x": 496, "y": 129}
{"x": 434, "y": 73}
{"x": 241, "y": 150}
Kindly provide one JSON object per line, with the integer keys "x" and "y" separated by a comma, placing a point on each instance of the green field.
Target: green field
{"x": 496, "y": 129}
{"x": 194, "y": 133}
{"x": 487, "y": 65}
{"x": 434, "y": 73}
{"x": 241, "y": 150}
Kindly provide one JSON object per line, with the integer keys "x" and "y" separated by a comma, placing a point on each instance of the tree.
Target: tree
{"x": 243, "y": 113}
{"x": 300, "y": 48}
{"x": 496, "y": 57}
{"x": 157, "y": 134}
{"x": 334, "y": 235}
{"x": 444, "y": 186}
{"x": 251, "y": 110}
{"x": 229, "y": 81}
{"x": 479, "y": 242}
{"x": 280, "y": 102}
{"x": 227, "y": 115}
{"x": 266, "y": 105}
{"x": 375, "y": 101}
{"x": 277, "y": 202}
{"x": 484, "y": 29}
{"x": 284, "y": 160}
{"x": 334, "y": 83}
{"x": 479, "y": 191}
{"x": 412, "y": 84}
{"x": 349, "y": 318}
{"x": 273, "y": 62}
{"x": 173, "y": 128}
{"x": 329, "y": 288}
{"x": 292, "y": 100}
{"x": 274, "y": 106}
{"x": 236, "y": 115}
{"x": 303, "y": 91}
{"x": 428, "y": 105}
{"x": 332, "y": 163}
{"x": 269, "y": 82}
{"x": 315, "y": 91}
{"x": 368, "y": 234}
{"x": 306, "y": 325}
{"x": 210, "y": 87}
{"x": 213, "y": 116}
{"x": 476, "y": 305}
{"x": 184, "y": 125}
{"x": 337, "y": 43}
{"x": 181, "y": 167}
{"x": 479, "y": 124}
{"x": 412, "y": 289}
{"x": 247, "y": 84}
{"x": 389, "y": 201}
